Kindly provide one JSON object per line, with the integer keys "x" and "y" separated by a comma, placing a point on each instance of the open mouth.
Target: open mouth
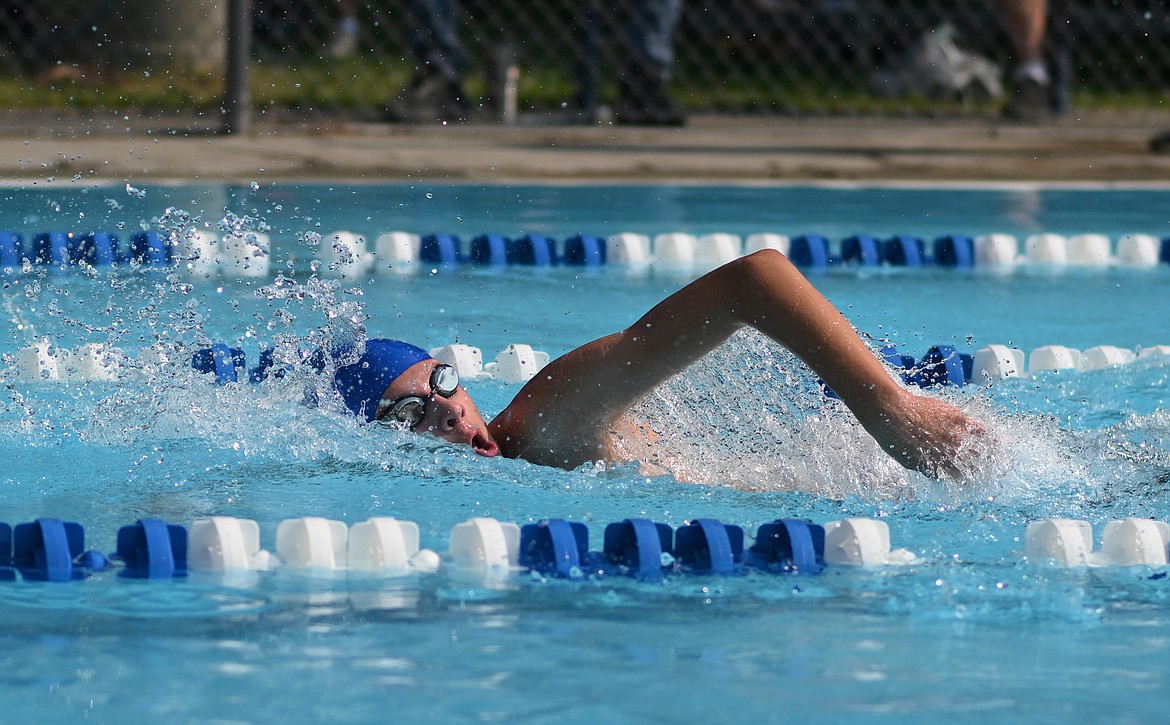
{"x": 485, "y": 446}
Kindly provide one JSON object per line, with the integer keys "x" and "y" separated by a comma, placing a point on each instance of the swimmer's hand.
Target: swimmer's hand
{"x": 927, "y": 435}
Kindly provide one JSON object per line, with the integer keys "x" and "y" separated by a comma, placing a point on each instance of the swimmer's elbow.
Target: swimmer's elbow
{"x": 765, "y": 262}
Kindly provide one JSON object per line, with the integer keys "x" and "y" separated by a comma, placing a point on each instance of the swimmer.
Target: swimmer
{"x": 570, "y": 413}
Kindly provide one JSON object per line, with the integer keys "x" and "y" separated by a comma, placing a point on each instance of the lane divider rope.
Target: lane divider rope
{"x": 45, "y": 362}
{"x": 345, "y": 253}
{"x": 53, "y": 550}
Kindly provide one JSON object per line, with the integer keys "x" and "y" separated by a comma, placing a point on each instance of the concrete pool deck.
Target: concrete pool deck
{"x": 708, "y": 149}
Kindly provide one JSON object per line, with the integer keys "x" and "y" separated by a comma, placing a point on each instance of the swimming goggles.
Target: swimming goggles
{"x": 409, "y": 411}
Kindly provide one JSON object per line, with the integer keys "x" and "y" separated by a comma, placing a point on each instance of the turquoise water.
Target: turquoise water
{"x": 969, "y": 632}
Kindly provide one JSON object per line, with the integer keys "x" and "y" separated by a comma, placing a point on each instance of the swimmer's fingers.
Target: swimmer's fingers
{"x": 931, "y": 436}
{"x": 961, "y": 458}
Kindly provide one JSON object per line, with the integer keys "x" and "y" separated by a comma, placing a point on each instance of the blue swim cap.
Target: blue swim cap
{"x": 361, "y": 385}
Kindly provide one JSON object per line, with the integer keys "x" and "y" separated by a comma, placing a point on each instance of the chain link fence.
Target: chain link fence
{"x": 581, "y": 60}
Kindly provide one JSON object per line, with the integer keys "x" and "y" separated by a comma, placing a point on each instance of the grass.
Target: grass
{"x": 368, "y": 83}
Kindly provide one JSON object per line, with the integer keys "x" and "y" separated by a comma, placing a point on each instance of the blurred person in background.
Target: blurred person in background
{"x": 1030, "y": 98}
{"x": 436, "y": 91}
{"x": 644, "y": 96}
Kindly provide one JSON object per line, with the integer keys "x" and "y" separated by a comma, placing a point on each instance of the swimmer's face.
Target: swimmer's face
{"x": 454, "y": 418}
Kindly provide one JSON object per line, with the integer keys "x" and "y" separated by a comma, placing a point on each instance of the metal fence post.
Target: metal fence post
{"x": 237, "y": 102}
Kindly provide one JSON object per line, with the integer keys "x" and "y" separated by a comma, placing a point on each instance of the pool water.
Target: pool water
{"x": 971, "y": 631}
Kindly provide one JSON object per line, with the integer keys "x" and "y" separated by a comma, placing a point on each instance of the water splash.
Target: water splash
{"x": 766, "y": 426}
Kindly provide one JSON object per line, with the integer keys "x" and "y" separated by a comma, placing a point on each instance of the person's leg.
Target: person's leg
{"x": 1026, "y": 24}
{"x": 587, "y": 57}
{"x": 436, "y": 90}
{"x": 645, "y": 82}
{"x": 435, "y": 39}
{"x": 345, "y": 34}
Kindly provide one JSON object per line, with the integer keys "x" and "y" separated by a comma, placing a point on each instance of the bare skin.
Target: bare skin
{"x": 565, "y": 415}
{"x": 455, "y": 419}
{"x": 1025, "y": 20}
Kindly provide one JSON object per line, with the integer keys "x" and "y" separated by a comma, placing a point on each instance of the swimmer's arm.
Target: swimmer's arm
{"x": 582, "y": 393}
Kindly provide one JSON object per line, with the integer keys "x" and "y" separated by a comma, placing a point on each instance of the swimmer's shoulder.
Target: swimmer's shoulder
{"x": 524, "y": 432}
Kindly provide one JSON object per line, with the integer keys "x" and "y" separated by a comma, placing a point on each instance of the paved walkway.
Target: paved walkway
{"x": 707, "y": 149}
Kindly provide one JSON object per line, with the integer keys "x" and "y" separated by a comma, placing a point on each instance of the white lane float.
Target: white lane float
{"x": 1047, "y": 249}
{"x": 397, "y": 252}
{"x": 1105, "y": 356}
{"x": 767, "y": 240}
{"x": 467, "y": 360}
{"x": 714, "y": 250}
{"x": 225, "y": 543}
{"x": 865, "y": 542}
{"x": 996, "y": 250}
{"x": 517, "y": 363}
{"x": 344, "y": 254}
{"x": 246, "y": 255}
{"x": 199, "y": 254}
{"x": 996, "y": 362}
{"x": 628, "y": 249}
{"x": 1124, "y": 542}
{"x": 1089, "y": 250}
{"x": 1138, "y": 250}
{"x": 485, "y": 544}
{"x": 674, "y": 252}
{"x": 388, "y": 546}
{"x": 1054, "y": 358}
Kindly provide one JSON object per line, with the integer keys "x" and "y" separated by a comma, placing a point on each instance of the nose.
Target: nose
{"x": 451, "y": 413}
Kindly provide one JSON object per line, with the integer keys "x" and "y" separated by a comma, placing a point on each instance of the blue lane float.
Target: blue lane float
{"x": 640, "y": 548}
{"x": 903, "y": 251}
{"x": 6, "y": 571}
{"x": 98, "y": 249}
{"x": 402, "y": 251}
{"x": 789, "y": 546}
{"x": 954, "y": 250}
{"x": 489, "y": 250}
{"x": 709, "y": 546}
{"x": 903, "y": 364}
{"x": 557, "y": 548}
{"x": 583, "y": 250}
{"x": 943, "y": 365}
{"x": 861, "y": 249}
{"x": 11, "y": 249}
{"x": 153, "y": 549}
{"x": 442, "y": 249}
{"x": 533, "y": 250}
{"x": 224, "y": 361}
{"x": 810, "y": 250}
{"x": 150, "y": 250}
{"x": 53, "y": 550}
{"x": 52, "y": 249}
